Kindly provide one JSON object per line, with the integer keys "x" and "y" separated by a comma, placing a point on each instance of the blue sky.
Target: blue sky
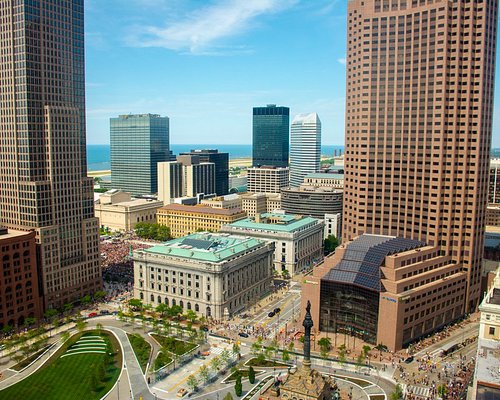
{"x": 206, "y": 63}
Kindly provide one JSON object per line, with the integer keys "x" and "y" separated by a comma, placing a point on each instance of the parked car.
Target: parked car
{"x": 277, "y": 310}
{"x": 409, "y": 360}
{"x": 92, "y": 315}
{"x": 104, "y": 312}
{"x": 181, "y": 392}
{"x": 243, "y": 334}
{"x": 271, "y": 314}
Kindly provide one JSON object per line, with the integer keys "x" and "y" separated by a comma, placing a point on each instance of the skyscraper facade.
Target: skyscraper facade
{"x": 271, "y": 131}
{"x": 43, "y": 184}
{"x": 221, "y": 161}
{"x": 305, "y": 147}
{"x": 419, "y": 107}
{"x": 138, "y": 143}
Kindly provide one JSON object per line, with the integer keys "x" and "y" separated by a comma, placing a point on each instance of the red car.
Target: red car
{"x": 92, "y": 315}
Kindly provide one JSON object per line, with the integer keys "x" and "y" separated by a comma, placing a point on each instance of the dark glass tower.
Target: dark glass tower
{"x": 221, "y": 161}
{"x": 138, "y": 144}
{"x": 271, "y": 127}
{"x": 43, "y": 183}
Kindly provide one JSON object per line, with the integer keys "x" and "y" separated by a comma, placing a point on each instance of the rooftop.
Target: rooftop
{"x": 311, "y": 118}
{"x": 207, "y": 247}
{"x": 488, "y": 362}
{"x": 273, "y": 222}
{"x": 6, "y": 233}
{"x": 363, "y": 257}
{"x": 200, "y": 209}
{"x": 329, "y": 175}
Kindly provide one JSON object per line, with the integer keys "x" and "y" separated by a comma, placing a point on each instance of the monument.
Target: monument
{"x": 307, "y": 383}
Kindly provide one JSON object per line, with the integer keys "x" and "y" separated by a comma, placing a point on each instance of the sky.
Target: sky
{"x": 206, "y": 63}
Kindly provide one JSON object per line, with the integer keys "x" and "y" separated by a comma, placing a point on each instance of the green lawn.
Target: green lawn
{"x": 142, "y": 349}
{"x": 69, "y": 377}
{"x": 173, "y": 345}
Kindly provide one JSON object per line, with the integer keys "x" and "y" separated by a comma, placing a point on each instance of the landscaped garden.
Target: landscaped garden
{"x": 85, "y": 367}
{"x": 142, "y": 349}
{"x": 173, "y": 345}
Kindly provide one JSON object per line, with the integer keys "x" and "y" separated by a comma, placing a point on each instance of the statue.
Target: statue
{"x": 307, "y": 324}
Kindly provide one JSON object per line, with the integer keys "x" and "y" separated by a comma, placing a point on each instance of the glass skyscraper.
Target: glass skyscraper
{"x": 271, "y": 126}
{"x": 138, "y": 143}
{"x": 305, "y": 148}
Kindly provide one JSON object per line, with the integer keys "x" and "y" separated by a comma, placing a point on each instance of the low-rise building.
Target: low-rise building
{"x": 323, "y": 179}
{"x": 267, "y": 179}
{"x": 487, "y": 372}
{"x": 298, "y": 240}
{"x": 228, "y": 202}
{"x": 258, "y": 203}
{"x": 19, "y": 294}
{"x": 215, "y": 275}
{"x": 184, "y": 220}
{"x": 493, "y": 215}
{"x": 117, "y": 210}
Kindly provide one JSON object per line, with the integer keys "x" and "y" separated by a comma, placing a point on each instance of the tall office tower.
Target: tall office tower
{"x": 419, "y": 107}
{"x": 271, "y": 126}
{"x": 185, "y": 177}
{"x": 305, "y": 147}
{"x": 138, "y": 143}
{"x": 494, "y": 190}
{"x": 43, "y": 184}
{"x": 221, "y": 161}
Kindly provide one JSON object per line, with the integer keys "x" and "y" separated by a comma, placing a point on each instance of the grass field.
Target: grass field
{"x": 71, "y": 377}
{"x": 142, "y": 349}
{"x": 173, "y": 345}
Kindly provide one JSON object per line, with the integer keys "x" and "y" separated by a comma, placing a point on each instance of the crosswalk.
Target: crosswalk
{"x": 419, "y": 392}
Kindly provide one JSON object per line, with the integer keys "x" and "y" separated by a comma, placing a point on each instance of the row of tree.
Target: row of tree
{"x": 153, "y": 231}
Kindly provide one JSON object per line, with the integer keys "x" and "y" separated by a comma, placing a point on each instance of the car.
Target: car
{"x": 271, "y": 314}
{"x": 409, "y": 360}
{"x": 277, "y": 310}
{"x": 92, "y": 315}
{"x": 204, "y": 328}
{"x": 243, "y": 334}
{"x": 181, "y": 392}
{"x": 104, "y": 312}
{"x": 205, "y": 353}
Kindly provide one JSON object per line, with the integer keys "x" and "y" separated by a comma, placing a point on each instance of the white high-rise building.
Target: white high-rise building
{"x": 305, "y": 147}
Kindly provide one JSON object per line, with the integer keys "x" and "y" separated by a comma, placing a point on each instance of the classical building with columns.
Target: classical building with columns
{"x": 215, "y": 275}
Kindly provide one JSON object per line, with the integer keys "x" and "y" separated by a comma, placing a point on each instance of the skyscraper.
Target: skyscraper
{"x": 305, "y": 147}
{"x": 43, "y": 183}
{"x": 138, "y": 143}
{"x": 221, "y": 161}
{"x": 271, "y": 126}
{"x": 419, "y": 110}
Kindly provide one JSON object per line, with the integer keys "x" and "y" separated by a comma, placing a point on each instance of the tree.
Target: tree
{"x": 192, "y": 382}
{"x": 30, "y": 321}
{"x": 225, "y": 357}
{"x": 325, "y": 344}
{"x": 50, "y": 314}
{"x": 204, "y": 373}
{"x": 85, "y": 300}
{"x": 65, "y": 336}
{"x": 291, "y": 346}
{"x": 99, "y": 295}
{"x": 153, "y": 231}
{"x": 135, "y": 304}
{"x": 162, "y": 309}
{"x": 342, "y": 354}
{"x": 251, "y": 375}
{"x": 442, "y": 391}
{"x": 174, "y": 311}
{"x": 331, "y": 242}
{"x": 285, "y": 355}
{"x": 236, "y": 349}
{"x": 80, "y": 324}
{"x": 190, "y": 316}
{"x": 398, "y": 393}
{"x": 366, "y": 350}
{"x": 238, "y": 387}
{"x": 256, "y": 348}
{"x": 215, "y": 364}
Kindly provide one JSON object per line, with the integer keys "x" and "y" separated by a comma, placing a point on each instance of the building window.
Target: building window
{"x": 492, "y": 330}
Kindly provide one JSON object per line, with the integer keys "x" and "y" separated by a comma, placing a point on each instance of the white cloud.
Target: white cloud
{"x": 342, "y": 60}
{"x": 201, "y": 30}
